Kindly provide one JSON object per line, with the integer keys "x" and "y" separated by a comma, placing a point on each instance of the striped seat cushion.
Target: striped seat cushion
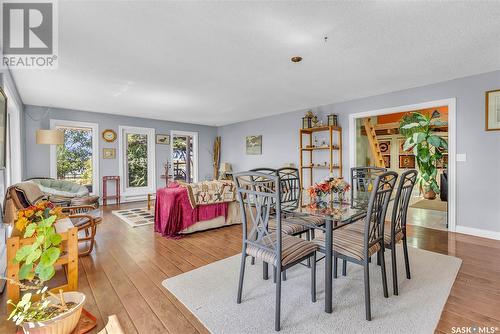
{"x": 293, "y": 249}
{"x": 360, "y": 225}
{"x": 293, "y": 225}
{"x": 348, "y": 242}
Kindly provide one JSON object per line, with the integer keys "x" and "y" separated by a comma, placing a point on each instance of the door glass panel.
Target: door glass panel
{"x": 74, "y": 157}
{"x": 137, "y": 160}
{"x": 183, "y": 158}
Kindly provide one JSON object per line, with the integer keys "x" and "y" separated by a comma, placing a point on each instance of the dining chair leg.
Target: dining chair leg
{"x": 283, "y": 275}
{"x": 242, "y": 274}
{"x": 313, "y": 278}
{"x": 308, "y": 238}
{"x": 335, "y": 265}
{"x": 278, "y": 303}
{"x": 384, "y": 274}
{"x": 253, "y": 261}
{"x": 407, "y": 261}
{"x": 344, "y": 267}
{"x": 368, "y": 310}
{"x": 274, "y": 274}
{"x": 378, "y": 258}
{"x": 394, "y": 270}
{"x": 265, "y": 271}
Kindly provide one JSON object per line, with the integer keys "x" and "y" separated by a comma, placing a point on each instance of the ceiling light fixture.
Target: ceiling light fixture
{"x": 296, "y": 59}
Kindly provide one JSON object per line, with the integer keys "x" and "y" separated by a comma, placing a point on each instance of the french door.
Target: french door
{"x": 137, "y": 161}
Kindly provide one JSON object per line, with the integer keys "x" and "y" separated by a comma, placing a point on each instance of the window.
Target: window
{"x": 137, "y": 161}
{"x": 185, "y": 156}
{"x": 77, "y": 159}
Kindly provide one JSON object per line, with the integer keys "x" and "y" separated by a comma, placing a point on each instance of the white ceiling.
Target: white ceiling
{"x": 220, "y": 62}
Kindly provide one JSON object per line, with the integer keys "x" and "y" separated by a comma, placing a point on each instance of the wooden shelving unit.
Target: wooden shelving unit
{"x": 307, "y": 162}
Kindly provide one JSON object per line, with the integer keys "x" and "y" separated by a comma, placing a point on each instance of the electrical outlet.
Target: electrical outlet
{"x": 462, "y": 157}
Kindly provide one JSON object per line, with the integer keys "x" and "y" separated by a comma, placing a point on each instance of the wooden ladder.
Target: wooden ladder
{"x": 373, "y": 141}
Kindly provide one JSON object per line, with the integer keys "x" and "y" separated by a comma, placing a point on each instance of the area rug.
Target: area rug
{"x": 209, "y": 293}
{"x": 136, "y": 217}
{"x": 435, "y": 204}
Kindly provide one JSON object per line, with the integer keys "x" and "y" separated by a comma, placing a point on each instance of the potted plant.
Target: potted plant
{"x": 39, "y": 310}
{"x": 426, "y": 146}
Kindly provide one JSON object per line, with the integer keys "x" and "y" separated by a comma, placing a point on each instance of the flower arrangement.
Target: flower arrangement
{"x": 319, "y": 191}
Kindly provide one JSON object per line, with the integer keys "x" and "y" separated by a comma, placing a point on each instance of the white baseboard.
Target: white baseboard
{"x": 478, "y": 232}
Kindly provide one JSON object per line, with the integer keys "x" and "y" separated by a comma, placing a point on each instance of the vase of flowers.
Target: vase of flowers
{"x": 319, "y": 194}
{"x": 339, "y": 187}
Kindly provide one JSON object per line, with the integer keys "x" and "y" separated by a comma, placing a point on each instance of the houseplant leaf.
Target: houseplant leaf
{"x": 50, "y": 256}
{"x": 45, "y": 272}
{"x": 33, "y": 256}
{"x": 30, "y": 230}
{"x": 434, "y": 140}
{"x": 25, "y": 270}
{"x": 22, "y": 253}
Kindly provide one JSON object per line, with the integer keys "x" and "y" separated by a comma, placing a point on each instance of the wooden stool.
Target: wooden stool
{"x": 105, "y": 195}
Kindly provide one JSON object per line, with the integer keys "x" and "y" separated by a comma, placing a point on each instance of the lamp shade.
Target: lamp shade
{"x": 225, "y": 167}
{"x": 49, "y": 137}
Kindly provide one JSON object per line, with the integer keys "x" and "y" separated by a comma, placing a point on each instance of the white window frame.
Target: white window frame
{"x": 137, "y": 194}
{"x": 195, "y": 150}
{"x": 54, "y": 124}
{"x": 13, "y": 154}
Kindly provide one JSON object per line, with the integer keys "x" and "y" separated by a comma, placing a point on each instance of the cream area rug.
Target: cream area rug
{"x": 209, "y": 293}
{"x": 136, "y": 217}
{"x": 428, "y": 204}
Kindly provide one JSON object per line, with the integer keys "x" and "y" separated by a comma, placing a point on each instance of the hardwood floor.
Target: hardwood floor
{"x": 124, "y": 273}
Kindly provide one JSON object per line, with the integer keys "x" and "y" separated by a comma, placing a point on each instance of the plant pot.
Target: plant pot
{"x": 63, "y": 323}
{"x": 430, "y": 194}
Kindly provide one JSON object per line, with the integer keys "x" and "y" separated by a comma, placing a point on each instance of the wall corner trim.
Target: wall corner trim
{"x": 478, "y": 232}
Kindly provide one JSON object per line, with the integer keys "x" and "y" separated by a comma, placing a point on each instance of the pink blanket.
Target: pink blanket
{"x": 173, "y": 211}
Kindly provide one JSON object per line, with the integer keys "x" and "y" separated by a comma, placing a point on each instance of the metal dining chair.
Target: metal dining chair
{"x": 362, "y": 177}
{"x": 259, "y": 195}
{"x": 352, "y": 246}
{"x": 395, "y": 230}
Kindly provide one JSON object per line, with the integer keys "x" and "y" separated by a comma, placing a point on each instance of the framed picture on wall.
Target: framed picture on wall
{"x": 387, "y": 161}
{"x": 109, "y": 153}
{"x": 385, "y": 146}
{"x": 493, "y": 110}
{"x": 406, "y": 161}
{"x": 253, "y": 145}
{"x": 163, "y": 139}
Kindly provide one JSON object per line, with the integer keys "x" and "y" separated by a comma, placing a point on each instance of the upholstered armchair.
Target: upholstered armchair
{"x": 85, "y": 217}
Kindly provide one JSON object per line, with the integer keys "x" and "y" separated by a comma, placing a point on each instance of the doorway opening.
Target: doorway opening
{"x": 185, "y": 156}
{"x": 386, "y": 148}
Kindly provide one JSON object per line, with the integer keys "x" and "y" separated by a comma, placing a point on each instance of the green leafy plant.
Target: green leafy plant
{"x": 427, "y": 147}
{"x": 36, "y": 262}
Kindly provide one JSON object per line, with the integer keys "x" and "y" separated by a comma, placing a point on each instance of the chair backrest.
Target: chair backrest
{"x": 377, "y": 208}
{"x": 290, "y": 188}
{"x": 259, "y": 198}
{"x": 407, "y": 181}
{"x": 362, "y": 177}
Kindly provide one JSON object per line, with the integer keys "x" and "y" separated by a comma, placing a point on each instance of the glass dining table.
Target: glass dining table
{"x": 335, "y": 215}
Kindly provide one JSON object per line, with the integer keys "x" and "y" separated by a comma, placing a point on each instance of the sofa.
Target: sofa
{"x": 65, "y": 191}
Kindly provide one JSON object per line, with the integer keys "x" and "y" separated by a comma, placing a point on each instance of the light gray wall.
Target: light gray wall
{"x": 39, "y": 155}
{"x": 478, "y": 179}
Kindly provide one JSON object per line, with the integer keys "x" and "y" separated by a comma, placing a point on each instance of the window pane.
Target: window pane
{"x": 137, "y": 160}
{"x": 74, "y": 157}
{"x": 183, "y": 158}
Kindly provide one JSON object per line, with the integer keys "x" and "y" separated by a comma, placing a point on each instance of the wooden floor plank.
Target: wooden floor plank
{"x": 124, "y": 275}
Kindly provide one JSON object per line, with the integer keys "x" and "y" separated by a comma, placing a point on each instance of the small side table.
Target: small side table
{"x": 105, "y": 195}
